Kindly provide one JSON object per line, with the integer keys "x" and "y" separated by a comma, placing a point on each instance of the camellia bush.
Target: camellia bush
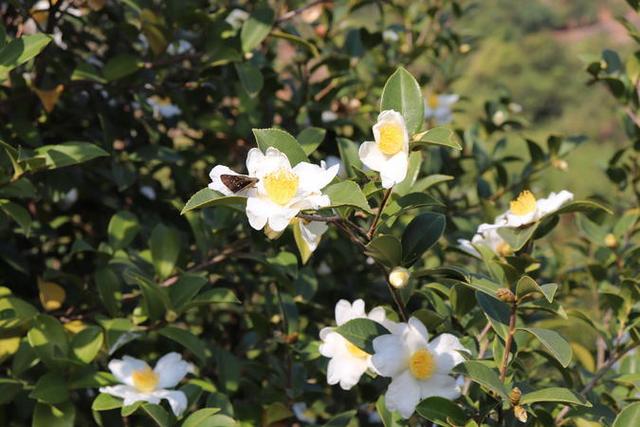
{"x": 228, "y": 213}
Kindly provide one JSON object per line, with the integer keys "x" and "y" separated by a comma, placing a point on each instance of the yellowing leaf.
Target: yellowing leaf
{"x": 49, "y": 98}
{"x": 75, "y": 326}
{"x": 8, "y": 346}
{"x": 51, "y": 295}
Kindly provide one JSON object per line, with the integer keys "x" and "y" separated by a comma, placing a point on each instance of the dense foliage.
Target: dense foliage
{"x": 124, "y": 235}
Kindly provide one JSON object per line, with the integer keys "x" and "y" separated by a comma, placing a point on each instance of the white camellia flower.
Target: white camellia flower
{"x": 418, "y": 368}
{"x": 312, "y": 232}
{"x": 525, "y": 209}
{"x": 281, "y": 191}
{"x": 488, "y": 236}
{"x": 389, "y": 153}
{"x": 439, "y": 108}
{"x": 141, "y": 383}
{"x": 348, "y": 362}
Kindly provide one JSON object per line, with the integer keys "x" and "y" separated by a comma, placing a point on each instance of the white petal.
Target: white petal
{"x": 258, "y": 211}
{"x": 313, "y": 178}
{"x": 440, "y": 385}
{"x": 346, "y": 371}
{"x": 281, "y": 217}
{"x": 254, "y": 159}
{"x": 390, "y": 116}
{"x": 446, "y": 350}
{"x": 377, "y": 315}
{"x": 177, "y": 400}
{"x": 332, "y": 342}
{"x": 371, "y": 156}
{"x": 123, "y": 369}
{"x": 466, "y": 246}
{"x": 415, "y": 335}
{"x": 216, "y": 184}
{"x": 171, "y": 369}
{"x": 345, "y": 311}
{"x": 390, "y": 355}
{"x": 553, "y": 202}
{"x": 395, "y": 169}
{"x": 512, "y": 220}
{"x": 312, "y": 232}
{"x": 403, "y": 394}
{"x": 129, "y": 395}
{"x": 273, "y": 160}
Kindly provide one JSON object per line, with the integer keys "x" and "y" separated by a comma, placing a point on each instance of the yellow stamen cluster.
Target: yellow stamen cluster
{"x": 145, "y": 379}
{"x": 525, "y": 203}
{"x": 421, "y": 364}
{"x": 391, "y": 138}
{"x": 356, "y": 352}
{"x": 433, "y": 101}
{"x": 281, "y": 186}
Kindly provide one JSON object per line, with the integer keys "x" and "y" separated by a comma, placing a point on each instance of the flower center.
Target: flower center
{"x": 525, "y": 203}
{"x": 356, "y": 352}
{"x": 391, "y": 138}
{"x": 421, "y": 364}
{"x": 433, "y": 101}
{"x": 281, "y": 186}
{"x": 145, "y": 380}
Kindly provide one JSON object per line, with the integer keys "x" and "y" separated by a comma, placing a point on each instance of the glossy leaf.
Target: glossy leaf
{"x": 361, "y": 333}
{"x": 402, "y": 93}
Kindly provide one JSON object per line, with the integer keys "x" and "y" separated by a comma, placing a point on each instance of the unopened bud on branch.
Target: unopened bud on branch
{"x": 399, "y": 277}
{"x": 515, "y": 395}
{"x": 505, "y": 295}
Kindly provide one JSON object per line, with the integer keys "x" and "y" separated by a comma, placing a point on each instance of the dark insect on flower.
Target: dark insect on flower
{"x": 238, "y": 183}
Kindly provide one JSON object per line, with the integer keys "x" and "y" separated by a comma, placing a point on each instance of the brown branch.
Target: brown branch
{"x": 374, "y": 224}
{"x": 508, "y": 341}
{"x": 295, "y": 12}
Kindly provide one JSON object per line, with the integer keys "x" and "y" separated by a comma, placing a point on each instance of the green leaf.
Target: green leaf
{"x": 402, "y": 93}
{"x": 480, "y": 373}
{"x": 123, "y": 228}
{"x": 208, "y": 197}
{"x": 557, "y": 346}
{"x": 48, "y": 339}
{"x": 19, "y": 214}
{"x": 63, "y": 415}
{"x": 159, "y": 415}
{"x": 441, "y": 411}
{"x": 554, "y": 394}
{"x": 398, "y": 205}
{"x": 297, "y": 40}
{"x": 155, "y": 298}
{"x": 16, "y": 312}
{"x": 250, "y": 78}
{"x": 69, "y": 153}
{"x": 185, "y": 289}
{"x": 497, "y": 312}
{"x": 105, "y": 402}
{"x": 349, "y": 156}
{"x": 220, "y": 420}
{"x": 87, "y": 343}
{"x": 121, "y": 66}
{"x": 256, "y": 28}
{"x": 385, "y": 249}
{"x": 438, "y": 136}
{"x": 583, "y": 206}
{"x": 310, "y": 138}
{"x": 420, "y": 235}
{"x": 187, "y": 340}
{"x": 109, "y": 289}
{"x": 283, "y": 141}
{"x": 518, "y": 237}
{"x": 165, "y": 244}
{"x": 526, "y": 285}
{"x": 50, "y": 388}
{"x": 629, "y": 416}
{"x": 19, "y": 51}
{"x": 430, "y": 181}
{"x": 347, "y": 193}
{"x": 389, "y": 419}
{"x": 361, "y": 332}
{"x": 341, "y": 420}
{"x": 483, "y": 285}
{"x": 201, "y": 418}
{"x": 214, "y": 296}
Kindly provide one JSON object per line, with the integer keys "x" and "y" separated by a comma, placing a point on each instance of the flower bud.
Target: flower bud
{"x": 560, "y": 164}
{"x": 515, "y": 395}
{"x": 520, "y": 413}
{"x": 505, "y": 295}
{"x": 610, "y": 241}
{"x": 399, "y": 277}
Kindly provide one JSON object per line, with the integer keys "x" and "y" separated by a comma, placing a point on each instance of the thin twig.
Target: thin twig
{"x": 374, "y": 224}
{"x": 293, "y": 13}
{"x": 508, "y": 341}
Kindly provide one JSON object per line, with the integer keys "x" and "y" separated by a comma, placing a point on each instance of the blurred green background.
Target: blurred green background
{"x": 536, "y": 51}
